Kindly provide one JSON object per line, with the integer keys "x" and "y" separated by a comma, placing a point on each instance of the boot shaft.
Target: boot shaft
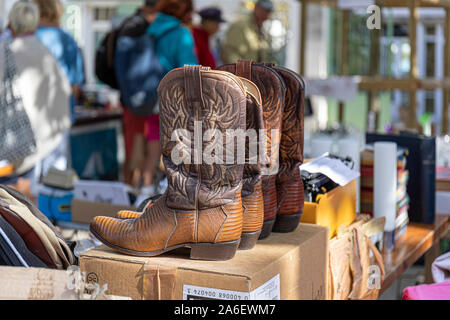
{"x": 255, "y": 126}
{"x": 292, "y": 137}
{"x": 273, "y": 91}
{"x": 198, "y": 110}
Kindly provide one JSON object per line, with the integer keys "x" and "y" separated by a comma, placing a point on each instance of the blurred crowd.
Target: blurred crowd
{"x": 49, "y": 74}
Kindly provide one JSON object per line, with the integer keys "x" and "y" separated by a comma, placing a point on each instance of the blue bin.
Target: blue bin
{"x": 55, "y": 203}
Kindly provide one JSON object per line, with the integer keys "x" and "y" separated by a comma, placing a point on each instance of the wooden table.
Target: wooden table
{"x": 418, "y": 240}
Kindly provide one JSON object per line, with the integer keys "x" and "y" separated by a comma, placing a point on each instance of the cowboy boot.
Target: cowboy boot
{"x": 252, "y": 199}
{"x": 201, "y": 208}
{"x": 273, "y": 90}
{"x": 290, "y": 193}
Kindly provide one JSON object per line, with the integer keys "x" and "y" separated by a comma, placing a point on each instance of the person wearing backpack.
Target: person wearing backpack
{"x": 172, "y": 46}
{"x": 175, "y": 48}
{"x": 134, "y": 126}
{"x": 134, "y": 25}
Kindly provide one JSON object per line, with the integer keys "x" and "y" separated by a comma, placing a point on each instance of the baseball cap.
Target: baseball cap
{"x": 211, "y": 13}
{"x": 266, "y": 4}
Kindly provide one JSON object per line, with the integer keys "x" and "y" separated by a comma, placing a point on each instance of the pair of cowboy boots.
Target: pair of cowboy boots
{"x": 204, "y": 205}
{"x": 282, "y": 94}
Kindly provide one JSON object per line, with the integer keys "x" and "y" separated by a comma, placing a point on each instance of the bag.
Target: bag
{"x": 17, "y": 137}
{"x": 105, "y": 71}
{"x": 355, "y": 266}
{"x": 104, "y": 60}
{"x": 139, "y": 72}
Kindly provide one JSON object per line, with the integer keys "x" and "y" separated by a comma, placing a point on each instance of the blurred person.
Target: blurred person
{"x": 175, "y": 44}
{"x": 45, "y": 92}
{"x": 210, "y": 23}
{"x": 143, "y": 16}
{"x": 61, "y": 44}
{"x": 135, "y": 127}
{"x": 175, "y": 48}
{"x": 245, "y": 39}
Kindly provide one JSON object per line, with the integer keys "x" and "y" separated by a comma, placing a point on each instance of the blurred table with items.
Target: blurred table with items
{"x": 96, "y": 137}
{"x": 418, "y": 240}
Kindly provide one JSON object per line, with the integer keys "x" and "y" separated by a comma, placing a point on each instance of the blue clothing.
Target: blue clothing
{"x": 5, "y": 35}
{"x": 176, "y": 46}
{"x": 65, "y": 50}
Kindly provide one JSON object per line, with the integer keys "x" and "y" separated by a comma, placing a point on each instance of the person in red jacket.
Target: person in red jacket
{"x": 211, "y": 19}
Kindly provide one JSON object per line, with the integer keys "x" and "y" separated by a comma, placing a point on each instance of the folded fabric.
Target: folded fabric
{"x": 14, "y": 248}
{"x": 440, "y": 268}
{"x": 28, "y": 235}
{"x": 436, "y": 291}
{"x": 58, "y": 250}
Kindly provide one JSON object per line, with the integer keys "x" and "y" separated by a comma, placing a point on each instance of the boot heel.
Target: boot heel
{"x": 249, "y": 239}
{"x": 287, "y": 223}
{"x": 214, "y": 251}
{"x": 267, "y": 229}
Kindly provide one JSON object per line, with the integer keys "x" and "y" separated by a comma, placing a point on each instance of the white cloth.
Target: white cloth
{"x": 440, "y": 268}
{"x": 45, "y": 92}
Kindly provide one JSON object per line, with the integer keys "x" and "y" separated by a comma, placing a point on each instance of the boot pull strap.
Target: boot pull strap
{"x": 244, "y": 69}
{"x": 193, "y": 86}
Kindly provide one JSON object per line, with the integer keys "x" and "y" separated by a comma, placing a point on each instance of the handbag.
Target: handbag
{"x": 17, "y": 139}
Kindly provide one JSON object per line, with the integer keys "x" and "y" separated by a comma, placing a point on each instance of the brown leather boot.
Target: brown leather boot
{"x": 252, "y": 197}
{"x": 201, "y": 208}
{"x": 273, "y": 91}
{"x": 290, "y": 193}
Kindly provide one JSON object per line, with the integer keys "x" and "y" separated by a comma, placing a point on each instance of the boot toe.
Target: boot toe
{"x": 108, "y": 229}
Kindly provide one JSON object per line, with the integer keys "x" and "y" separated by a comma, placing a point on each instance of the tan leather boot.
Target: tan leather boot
{"x": 202, "y": 207}
{"x": 273, "y": 91}
{"x": 252, "y": 196}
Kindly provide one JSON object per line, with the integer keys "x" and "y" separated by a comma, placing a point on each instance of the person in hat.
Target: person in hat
{"x": 211, "y": 20}
{"x": 245, "y": 38}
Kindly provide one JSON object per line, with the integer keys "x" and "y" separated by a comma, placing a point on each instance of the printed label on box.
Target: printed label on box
{"x": 268, "y": 291}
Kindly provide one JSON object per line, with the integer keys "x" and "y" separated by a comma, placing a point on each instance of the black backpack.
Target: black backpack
{"x": 133, "y": 26}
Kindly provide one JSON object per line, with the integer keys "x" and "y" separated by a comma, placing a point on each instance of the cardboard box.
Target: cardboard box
{"x": 18, "y": 283}
{"x": 283, "y": 266}
{"x": 334, "y": 209}
{"x": 32, "y": 284}
{"x": 85, "y": 211}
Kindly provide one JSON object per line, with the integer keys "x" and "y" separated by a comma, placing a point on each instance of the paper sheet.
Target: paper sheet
{"x": 334, "y": 169}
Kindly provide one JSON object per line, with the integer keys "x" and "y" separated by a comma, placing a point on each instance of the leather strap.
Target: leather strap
{"x": 244, "y": 69}
{"x": 193, "y": 87}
